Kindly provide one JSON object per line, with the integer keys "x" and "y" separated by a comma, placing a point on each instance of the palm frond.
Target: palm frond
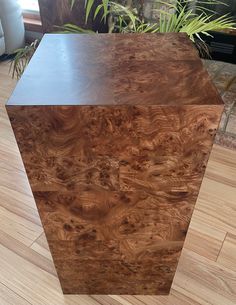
{"x": 70, "y": 28}
{"x": 177, "y": 16}
{"x": 72, "y": 3}
{"x": 88, "y": 5}
{"x": 22, "y": 58}
{"x": 186, "y": 20}
{"x": 203, "y": 24}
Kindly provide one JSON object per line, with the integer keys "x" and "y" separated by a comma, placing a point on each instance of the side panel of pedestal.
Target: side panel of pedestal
{"x": 115, "y": 188}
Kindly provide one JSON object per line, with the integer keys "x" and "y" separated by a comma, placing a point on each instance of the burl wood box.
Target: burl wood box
{"x": 115, "y": 132}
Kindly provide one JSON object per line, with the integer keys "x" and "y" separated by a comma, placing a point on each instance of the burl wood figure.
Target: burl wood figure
{"x": 115, "y": 132}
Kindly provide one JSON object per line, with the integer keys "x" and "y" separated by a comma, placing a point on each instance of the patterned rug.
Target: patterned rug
{"x": 224, "y": 77}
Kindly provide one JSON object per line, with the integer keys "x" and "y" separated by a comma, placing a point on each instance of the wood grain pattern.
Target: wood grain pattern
{"x": 221, "y": 171}
{"x": 40, "y": 246}
{"x": 204, "y": 240}
{"x": 228, "y": 252}
{"x": 121, "y": 209}
{"x": 204, "y": 271}
{"x": 115, "y": 69}
{"x": 115, "y": 185}
{"x": 7, "y": 297}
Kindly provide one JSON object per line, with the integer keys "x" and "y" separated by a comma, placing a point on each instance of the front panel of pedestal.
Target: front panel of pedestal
{"x": 115, "y": 188}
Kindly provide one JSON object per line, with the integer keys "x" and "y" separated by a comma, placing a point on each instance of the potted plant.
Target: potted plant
{"x": 128, "y": 16}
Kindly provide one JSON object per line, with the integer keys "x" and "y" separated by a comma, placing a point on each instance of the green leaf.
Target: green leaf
{"x": 72, "y": 3}
{"x": 22, "y": 58}
{"x": 72, "y": 28}
{"x": 89, "y": 5}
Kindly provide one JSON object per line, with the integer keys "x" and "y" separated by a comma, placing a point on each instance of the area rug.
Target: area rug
{"x": 224, "y": 77}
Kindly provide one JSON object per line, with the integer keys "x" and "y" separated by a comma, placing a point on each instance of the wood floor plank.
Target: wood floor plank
{"x": 14, "y": 180}
{"x": 27, "y": 253}
{"x": 227, "y": 256}
{"x": 20, "y": 204}
{"x": 204, "y": 239}
{"x": 220, "y": 168}
{"x": 19, "y": 228}
{"x": 175, "y": 298}
{"x": 8, "y": 84}
{"x": 216, "y": 205}
{"x": 79, "y": 300}
{"x": 149, "y": 300}
{"x": 123, "y": 301}
{"x": 40, "y": 245}
{"x": 178, "y": 298}
{"x": 8, "y": 152}
{"x": 205, "y": 281}
{"x": 106, "y": 300}
{"x": 30, "y": 282}
{"x": 8, "y": 297}
{"x": 132, "y": 300}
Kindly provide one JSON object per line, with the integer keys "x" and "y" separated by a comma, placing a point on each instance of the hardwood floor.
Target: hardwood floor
{"x": 207, "y": 270}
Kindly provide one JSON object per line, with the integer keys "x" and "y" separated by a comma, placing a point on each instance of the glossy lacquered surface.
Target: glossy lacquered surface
{"x": 115, "y": 69}
{"x": 116, "y": 185}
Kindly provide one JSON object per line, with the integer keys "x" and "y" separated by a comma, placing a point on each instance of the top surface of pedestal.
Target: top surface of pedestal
{"x": 115, "y": 69}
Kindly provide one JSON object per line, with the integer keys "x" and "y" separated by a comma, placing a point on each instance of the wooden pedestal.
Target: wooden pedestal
{"x": 115, "y": 132}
